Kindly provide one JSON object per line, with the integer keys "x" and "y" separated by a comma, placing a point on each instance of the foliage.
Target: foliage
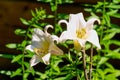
{"x": 70, "y": 65}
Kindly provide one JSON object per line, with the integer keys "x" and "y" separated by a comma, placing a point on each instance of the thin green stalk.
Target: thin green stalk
{"x": 84, "y": 64}
{"x": 103, "y": 18}
{"x": 55, "y": 14}
{"x": 90, "y": 70}
{"x": 23, "y": 54}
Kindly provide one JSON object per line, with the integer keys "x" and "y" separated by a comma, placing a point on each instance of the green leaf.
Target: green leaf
{"x": 16, "y": 58}
{"x": 20, "y": 32}
{"x": 102, "y": 61}
{"x": 67, "y": 77}
{"x": 6, "y": 56}
{"x": 116, "y": 15}
{"x": 101, "y": 73}
{"x": 17, "y": 72}
{"x": 11, "y": 45}
{"x": 50, "y": 16}
{"x": 24, "y": 21}
{"x": 5, "y": 72}
{"x": 107, "y": 18}
{"x": 33, "y": 14}
{"x": 116, "y": 42}
{"x": 113, "y": 6}
{"x": 113, "y": 55}
{"x": 109, "y": 36}
{"x": 112, "y": 12}
{"x": 53, "y": 6}
{"x": 23, "y": 44}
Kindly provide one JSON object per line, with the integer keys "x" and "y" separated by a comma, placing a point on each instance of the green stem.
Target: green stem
{"x": 84, "y": 64}
{"x": 90, "y": 70}
{"x": 55, "y": 14}
{"x": 23, "y": 54}
{"x": 103, "y": 18}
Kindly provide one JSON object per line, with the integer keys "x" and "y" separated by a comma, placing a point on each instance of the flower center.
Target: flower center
{"x": 81, "y": 33}
{"x": 41, "y": 52}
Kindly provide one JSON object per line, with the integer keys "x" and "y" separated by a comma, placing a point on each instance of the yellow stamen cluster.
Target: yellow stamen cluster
{"x": 81, "y": 33}
{"x": 40, "y": 51}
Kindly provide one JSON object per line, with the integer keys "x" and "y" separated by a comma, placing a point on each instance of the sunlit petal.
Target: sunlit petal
{"x": 46, "y": 28}
{"x": 46, "y": 58}
{"x": 81, "y": 42}
{"x": 66, "y": 35}
{"x": 93, "y": 38}
{"x": 81, "y": 20}
{"x": 29, "y": 47}
{"x": 90, "y": 22}
{"x": 35, "y": 60}
{"x": 54, "y": 50}
{"x": 54, "y": 38}
{"x": 63, "y": 21}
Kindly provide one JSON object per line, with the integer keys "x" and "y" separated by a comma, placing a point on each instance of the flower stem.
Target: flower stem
{"x": 84, "y": 64}
{"x": 23, "y": 54}
{"x": 91, "y": 55}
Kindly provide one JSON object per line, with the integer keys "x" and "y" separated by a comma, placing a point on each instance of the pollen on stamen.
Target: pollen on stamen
{"x": 40, "y": 51}
{"x": 81, "y": 33}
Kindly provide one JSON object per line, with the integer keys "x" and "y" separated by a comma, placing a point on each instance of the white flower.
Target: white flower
{"x": 43, "y": 46}
{"x": 80, "y": 31}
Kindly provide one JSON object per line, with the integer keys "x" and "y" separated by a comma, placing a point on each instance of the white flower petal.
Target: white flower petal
{"x": 46, "y": 58}
{"x": 73, "y": 23}
{"x": 54, "y": 50}
{"x": 63, "y": 21}
{"x": 37, "y": 35}
{"x": 90, "y": 23}
{"x": 29, "y": 47}
{"x": 54, "y": 38}
{"x": 37, "y": 38}
{"x": 81, "y": 20}
{"x": 93, "y": 38}
{"x": 46, "y": 28}
{"x": 66, "y": 35}
{"x": 35, "y": 60}
{"x": 82, "y": 42}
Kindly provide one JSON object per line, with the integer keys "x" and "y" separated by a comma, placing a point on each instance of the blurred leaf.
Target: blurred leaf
{"x": 110, "y": 66}
{"x": 107, "y": 18}
{"x": 67, "y": 77}
{"x": 20, "y": 32}
{"x": 102, "y": 61}
{"x": 26, "y": 75}
{"x": 24, "y": 42}
{"x": 116, "y": 15}
{"x": 116, "y": 1}
{"x": 11, "y": 45}
{"x": 113, "y": 74}
{"x": 16, "y": 58}
{"x": 110, "y": 77}
{"x": 116, "y": 42}
{"x": 114, "y": 6}
{"x": 101, "y": 73}
{"x": 109, "y": 36}
{"x": 6, "y": 55}
{"x": 5, "y": 72}
{"x": 112, "y": 12}
{"x": 113, "y": 55}
{"x": 24, "y": 21}
{"x": 17, "y": 72}
{"x": 63, "y": 16}
{"x": 50, "y": 16}
{"x": 32, "y": 12}
{"x": 53, "y": 6}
